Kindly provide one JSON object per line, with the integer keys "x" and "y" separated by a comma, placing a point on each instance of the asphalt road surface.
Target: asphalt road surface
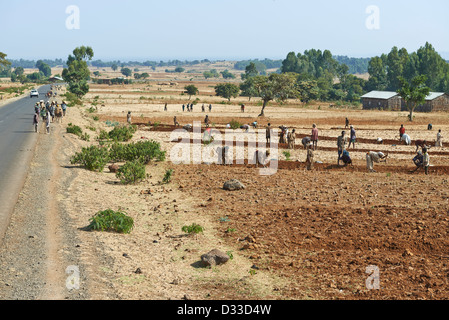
{"x": 17, "y": 143}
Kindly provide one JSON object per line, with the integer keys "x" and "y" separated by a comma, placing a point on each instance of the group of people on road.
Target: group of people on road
{"x": 48, "y": 112}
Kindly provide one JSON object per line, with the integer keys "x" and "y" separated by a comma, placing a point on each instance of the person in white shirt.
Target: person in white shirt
{"x": 406, "y": 139}
{"x": 439, "y": 142}
{"x": 372, "y": 157}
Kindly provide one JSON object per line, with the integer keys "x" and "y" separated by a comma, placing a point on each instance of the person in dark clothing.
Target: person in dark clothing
{"x": 346, "y": 158}
{"x": 418, "y": 160}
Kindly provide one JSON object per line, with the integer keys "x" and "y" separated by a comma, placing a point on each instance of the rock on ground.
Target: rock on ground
{"x": 215, "y": 258}
{"x": 232, "y": 185}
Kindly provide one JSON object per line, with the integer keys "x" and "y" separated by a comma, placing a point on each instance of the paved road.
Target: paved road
{"x": 17, "y": 142}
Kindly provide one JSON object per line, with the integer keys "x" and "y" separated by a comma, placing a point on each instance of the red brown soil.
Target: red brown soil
{"x": 322, "y": 229}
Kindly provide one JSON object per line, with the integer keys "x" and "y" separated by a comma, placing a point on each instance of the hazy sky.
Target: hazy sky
{"x": 220, "y": 29}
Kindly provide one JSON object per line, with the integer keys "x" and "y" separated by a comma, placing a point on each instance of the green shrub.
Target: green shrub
{"x": 85, "y": 137}
{"x": 132, "y": 172}
{"x": 193, "y": 229}
{"x": 93, "y": 158}
{"x": 145, "y": 151}
{"x": 235, "y": 124}
{"x": 122, "y": 133}
{"x": 73, "y": 129}
{"x": 167, "y": 176}
{"x": 72, "y": 99}
{"x": 110, "y": 220}
{"x": 287, "y": 155}
{"x": 104, "y": 135}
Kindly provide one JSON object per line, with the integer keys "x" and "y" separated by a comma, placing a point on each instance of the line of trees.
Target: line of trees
{"x": 18, "y": 74}
{"x": 386, "y": 70}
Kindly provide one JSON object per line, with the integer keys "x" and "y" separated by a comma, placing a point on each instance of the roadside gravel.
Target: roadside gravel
{"x": 41, "y": 248}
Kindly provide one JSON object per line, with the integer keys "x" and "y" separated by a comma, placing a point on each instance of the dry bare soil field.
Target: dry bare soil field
{"x": 297, "y": 234}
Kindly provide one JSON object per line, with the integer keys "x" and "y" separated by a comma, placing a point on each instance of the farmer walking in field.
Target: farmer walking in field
{"x": 268, "y": 133}
{"x": 206, "y": 121}
{"x": 439, "y": 141}
{"x": 372, "y": 157}
{"x": 175, "y": 121}
{"x": 341, "y": 144}
{"x": 346, "y": 123}
{"x": 128, "y": 117}
{"x": 291, "y": 137}
{"x": 352, "y": 138}
{"x": 314, "y": 136}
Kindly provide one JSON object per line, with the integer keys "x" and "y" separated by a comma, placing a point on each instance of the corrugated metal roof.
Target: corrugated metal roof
{"x": 380, "y": 95}
{"x": 390, "y": 94}
{"x": 434, "y": 95}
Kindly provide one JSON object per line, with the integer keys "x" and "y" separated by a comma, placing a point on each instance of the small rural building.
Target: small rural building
{"x": 388, "y": 100}
{"x": 435, "y": 101}
{"x": 382, "y": 100}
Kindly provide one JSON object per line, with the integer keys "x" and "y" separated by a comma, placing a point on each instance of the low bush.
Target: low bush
{"x": 93, "y": 158}
{"x": 72, "y": 99}
{"x": 145, "y": 151}
{"x": 193, "y": 229}
{"x": 85, "y": 137}
{"x": 235, "y": 124}
{"x": 104, "y": 135}
{"x": 132, "y": 172}
{"x": 73, "y": 129}
{"x": 110, "y": 220}
{"x": 167, "y": 176}
{"x": 122, "y": 133}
